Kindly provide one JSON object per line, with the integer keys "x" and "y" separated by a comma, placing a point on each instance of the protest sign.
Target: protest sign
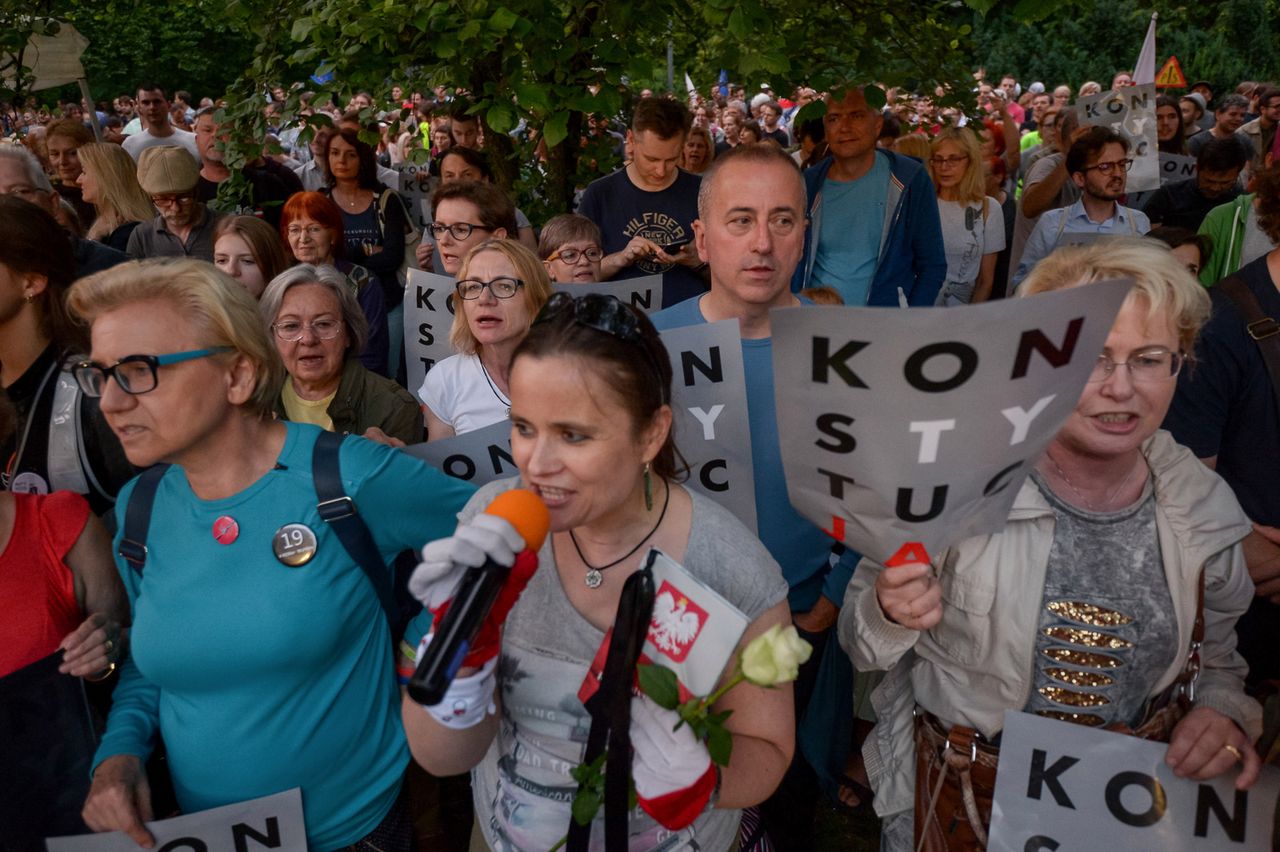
{"x": 1131, "y": 112}
{"x": 479, "y": 456}
{"x": 416, "y": 186}
{"x": 644, "y": 293}
{"x": 428, "y": 316}
{"x": 1175, "y": 167}
{"x": 911, "y": 430}
{"x": 1063, "y": 786}
{"x": 709, "y": 398}
{"x": 272, "y": 822}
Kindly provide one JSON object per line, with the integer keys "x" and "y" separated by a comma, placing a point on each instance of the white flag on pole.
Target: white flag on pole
{"x": 1144, "y": 71}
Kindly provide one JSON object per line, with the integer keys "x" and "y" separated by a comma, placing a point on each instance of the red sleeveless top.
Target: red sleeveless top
{"x": 38, "y": 605}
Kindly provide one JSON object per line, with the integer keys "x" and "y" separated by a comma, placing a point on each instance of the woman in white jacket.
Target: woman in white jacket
{"x": 1083, "y": 608}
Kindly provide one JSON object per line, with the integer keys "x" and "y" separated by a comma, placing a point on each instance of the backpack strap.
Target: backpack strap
{"x": 137, "y": 517}
{"x": 339, "y": 511}
{"x": 1264, "y": 330}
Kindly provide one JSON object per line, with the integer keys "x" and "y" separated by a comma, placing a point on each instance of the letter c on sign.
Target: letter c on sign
{"x": 1040, "y": 843}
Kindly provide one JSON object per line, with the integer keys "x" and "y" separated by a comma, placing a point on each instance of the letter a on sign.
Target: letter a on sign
{"x": 910, "y": 553}
{"x": 1170, "y": 76}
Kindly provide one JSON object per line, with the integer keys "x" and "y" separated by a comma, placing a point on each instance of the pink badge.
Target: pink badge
{"x": 225, "y": 530}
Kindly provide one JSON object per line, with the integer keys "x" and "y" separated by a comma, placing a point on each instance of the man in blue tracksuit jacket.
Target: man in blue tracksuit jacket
{"x": 874, "y": 232}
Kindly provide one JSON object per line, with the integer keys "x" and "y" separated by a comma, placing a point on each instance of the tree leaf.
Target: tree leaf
{"x": 556, "y": 130}
{"x": 720, "y": 745}
{"x": 503, "y": 19}
{"x": 301, "y": 29}
{"x": 501, "y": 117}
{"x": 659, "y": 683}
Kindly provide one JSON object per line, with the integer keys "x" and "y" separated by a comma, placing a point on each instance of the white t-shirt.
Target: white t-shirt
{"x": 143, "y": 139}
{"x": 967, "y": 235}
{"x": 459, "y": 392}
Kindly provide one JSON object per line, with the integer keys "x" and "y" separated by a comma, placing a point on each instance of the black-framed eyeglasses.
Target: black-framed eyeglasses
{"x": 291, "y": 331}
{"x": 502, "y": 287}
{"x": 135, "y": 374}
{"x": 1150, "y": 366}
{"x": 458, "y": 230}
{"x": 571, "y": 256}
{"x": 605, "y": 314}
{"x": 1108, "y": 168}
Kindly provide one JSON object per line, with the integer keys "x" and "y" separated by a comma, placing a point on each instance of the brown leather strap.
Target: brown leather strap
{"x": 1264, "y": 330}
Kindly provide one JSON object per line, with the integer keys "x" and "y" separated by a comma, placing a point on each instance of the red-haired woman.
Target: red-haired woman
{"x": 311, "y": 226}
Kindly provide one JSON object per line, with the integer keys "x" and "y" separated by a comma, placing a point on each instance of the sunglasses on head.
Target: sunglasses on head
{"x": 606, "y": 314}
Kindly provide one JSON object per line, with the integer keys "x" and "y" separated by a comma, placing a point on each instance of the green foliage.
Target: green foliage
{"x": 1224, "y": 42}
{"x": 660, "y": 684}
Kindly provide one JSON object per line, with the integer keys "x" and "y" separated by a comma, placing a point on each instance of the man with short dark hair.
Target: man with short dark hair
{"x": 874, "y": 234}
{"x": 153, "y": 110}
{"x": 770, "y": 113}
{"x": 1261, "y": 132}
{"x": 184, "y": 227}
{"x": 1098, "y": 162}
{"x": 1185, "y": 203}
{"x": 465, "y": 130}
{"x": 1228, "y": 118}
{"x": 646, "y": 209}
{"x": 1009, "y": 85}
{"x": 1040, "y": 104}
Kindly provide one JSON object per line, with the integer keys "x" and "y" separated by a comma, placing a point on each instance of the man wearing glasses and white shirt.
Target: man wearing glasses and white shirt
{"x": 1098, "y": 162}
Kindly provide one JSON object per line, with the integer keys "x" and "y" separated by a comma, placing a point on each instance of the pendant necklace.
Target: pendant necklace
{"x": 497, "y": 393}
{"x": 595, "y": 574}
{"x": 1087, "y": 504}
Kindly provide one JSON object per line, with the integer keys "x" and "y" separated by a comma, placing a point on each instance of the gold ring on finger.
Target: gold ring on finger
{"x": 1239, "y": 755}
{"x": 108, "y": 647}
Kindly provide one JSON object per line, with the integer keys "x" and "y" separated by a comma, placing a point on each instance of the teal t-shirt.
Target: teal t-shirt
{"x": 263, "y": 677}
{"x": 851, "y": 226}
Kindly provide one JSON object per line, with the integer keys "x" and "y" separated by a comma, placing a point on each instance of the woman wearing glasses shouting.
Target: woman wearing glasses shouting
{"x": 1109, "y": 599}
{"x": 260, "y": 652}
{"x": 319, "y": 330}
{"x": 501, "y": 287}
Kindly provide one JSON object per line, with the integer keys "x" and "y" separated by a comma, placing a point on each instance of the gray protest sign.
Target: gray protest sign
{"x": 479, "y": 457}
{"x": 913, "y": 429}
{"x": 1065, "y": 786}
{"x": 1131, "y": 112}
{"x": 709, "y": 397}
{"x": 272, "y": 822}
{"x": 644, "y": 293}
{"x": 428, "y": 316}
{"x": 1175, "y": 167}
{"x": 416, "y": 186}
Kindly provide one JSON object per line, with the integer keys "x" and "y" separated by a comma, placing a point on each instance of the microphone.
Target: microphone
{"x": 469, "y": 610}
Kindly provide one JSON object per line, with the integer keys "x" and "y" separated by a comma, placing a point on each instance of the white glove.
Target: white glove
{"x": 666, "y": 760}
{"x": 436, "y": 579}
{"x": 468, "y": 700}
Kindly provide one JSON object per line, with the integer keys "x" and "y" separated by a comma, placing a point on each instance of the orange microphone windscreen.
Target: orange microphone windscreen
{"x": 525, "y": 511}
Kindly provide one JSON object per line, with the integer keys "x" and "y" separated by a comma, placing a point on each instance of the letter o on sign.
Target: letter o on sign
{"x": 913, "y": 370}
{"x": 1117, "y": 785}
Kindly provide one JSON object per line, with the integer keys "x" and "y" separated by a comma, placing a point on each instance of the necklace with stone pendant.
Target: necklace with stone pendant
{"x": 595, "y": 573}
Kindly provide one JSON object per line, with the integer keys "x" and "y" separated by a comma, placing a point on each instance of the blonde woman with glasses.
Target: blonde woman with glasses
{"x": 972, "y": 222}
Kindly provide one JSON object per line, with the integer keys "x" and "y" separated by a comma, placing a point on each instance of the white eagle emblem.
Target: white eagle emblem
{"x": 674, "y": 626}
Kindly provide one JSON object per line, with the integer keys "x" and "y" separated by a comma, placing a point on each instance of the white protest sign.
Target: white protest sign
{"x": 1175, "y": 167}
{"x": 1131, "y": 112}
{"x": 914, "y": 429}
{"x": 1062, "y": 786}
{"x": 709, "y": 398}
{"x": 643, "y": 293}
{"x": 416, "y": 187}
{"x": 428, "y": 317}
{"x": 272, "y": 822}
{"x": 479, "y": 456}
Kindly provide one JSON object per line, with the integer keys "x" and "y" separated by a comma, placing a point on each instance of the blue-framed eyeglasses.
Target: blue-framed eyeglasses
{"x": 134, "y": 374}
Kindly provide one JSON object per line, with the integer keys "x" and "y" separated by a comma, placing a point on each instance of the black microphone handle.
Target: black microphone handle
{"x": 456, "y": 631}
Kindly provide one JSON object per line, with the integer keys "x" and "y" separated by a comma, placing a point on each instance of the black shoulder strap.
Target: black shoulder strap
{"x": 137, "y": 517}
{"x": 1264, "y": 330}
{"x": 339, "y": 511}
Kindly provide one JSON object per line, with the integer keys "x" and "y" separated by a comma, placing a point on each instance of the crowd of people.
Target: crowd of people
{"x": 224, "y": 391}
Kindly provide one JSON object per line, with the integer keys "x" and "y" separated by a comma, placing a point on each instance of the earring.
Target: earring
{"x": 27, "y": 297}
{"x": 648, "y": 489}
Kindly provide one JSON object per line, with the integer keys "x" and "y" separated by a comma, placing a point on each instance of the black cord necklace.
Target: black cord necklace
{"x": 595, "y": 574}
{"x": 493, "y": 386}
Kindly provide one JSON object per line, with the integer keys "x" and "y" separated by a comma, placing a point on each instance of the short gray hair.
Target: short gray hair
{"x": 28, "y": 161}
{"x": 326, "y": 276}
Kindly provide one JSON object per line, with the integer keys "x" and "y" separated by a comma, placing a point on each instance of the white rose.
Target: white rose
{"x": 774, "y": 657}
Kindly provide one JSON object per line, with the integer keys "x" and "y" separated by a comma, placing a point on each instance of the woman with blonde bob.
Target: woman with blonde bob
{"x": 1121, "y": 552}
{"x": 501, "y": 287}
{"x": 109, "y": 181}
{"x": 238, "y": 570}
{"x": 972, "y": 222}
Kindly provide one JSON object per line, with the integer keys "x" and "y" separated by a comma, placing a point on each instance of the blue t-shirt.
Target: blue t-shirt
{"x": 261, "y": 677}
{"x": 851, "y": 227}
{"x": 622, "y": 211}
{"x": 803, "y": 550}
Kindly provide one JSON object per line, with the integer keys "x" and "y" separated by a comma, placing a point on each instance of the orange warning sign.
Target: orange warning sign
{"x": 1170, "y": 76}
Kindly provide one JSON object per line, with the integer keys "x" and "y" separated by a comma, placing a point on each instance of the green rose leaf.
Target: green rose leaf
{"x": 720, "y": 745}
{"x": 659, "y": 683}
{"x": 585, "y": 805}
